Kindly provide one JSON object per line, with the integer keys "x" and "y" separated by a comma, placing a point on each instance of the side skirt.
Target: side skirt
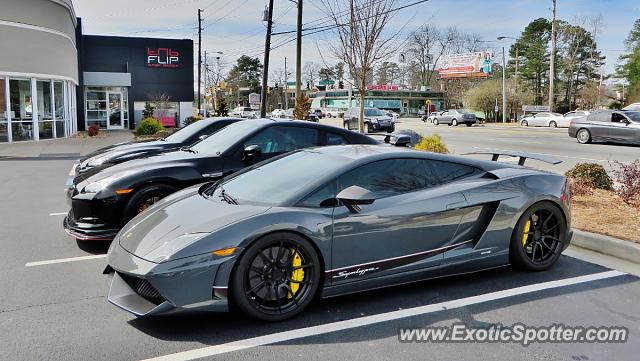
{"x": 444, "y": 270}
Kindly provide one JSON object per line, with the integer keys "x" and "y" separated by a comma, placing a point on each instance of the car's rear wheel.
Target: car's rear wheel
{"x": 524, "y": 123}
{"x": 454, "y": 122}
{"x": 144, "y": 198}
{"x": 276, "y": 277}
{"x": 538, "y": 238}
{"x": 583, "y": 136}
{"x": 553, "y": 124}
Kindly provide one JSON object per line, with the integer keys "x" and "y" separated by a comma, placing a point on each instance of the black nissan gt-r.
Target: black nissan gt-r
{"x": 102, "y": 202}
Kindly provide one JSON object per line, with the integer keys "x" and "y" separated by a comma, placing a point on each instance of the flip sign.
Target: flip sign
{"x": 162, "y": 58}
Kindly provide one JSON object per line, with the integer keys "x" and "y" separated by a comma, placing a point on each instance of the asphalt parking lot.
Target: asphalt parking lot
{"x": 53, "y": 306}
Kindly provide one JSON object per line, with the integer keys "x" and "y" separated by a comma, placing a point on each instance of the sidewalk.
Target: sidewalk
{"x": 79, "y": 144}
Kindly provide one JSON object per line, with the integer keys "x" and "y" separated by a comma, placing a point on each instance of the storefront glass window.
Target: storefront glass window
{"x": 45, "y": 109}
{"x": 100, "y": 102}
{"x": 4, "y": 135}
{"x": 21, "y": 109}
{"x": 59, "y": 108}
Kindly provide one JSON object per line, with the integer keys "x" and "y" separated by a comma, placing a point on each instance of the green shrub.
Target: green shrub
{"x": 192, "y": 119}
{"x": 591, "y": 174}
{"x": 432, "y": 143}
{"x": 149, "y": 126}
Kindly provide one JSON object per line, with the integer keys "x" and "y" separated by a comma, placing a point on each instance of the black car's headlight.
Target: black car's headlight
{"x": 102, "y": 184}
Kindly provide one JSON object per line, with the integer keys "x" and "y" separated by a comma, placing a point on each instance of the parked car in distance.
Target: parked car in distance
{"x": 318, "y": 112}
{"x": 433, "y": 115}
{"x": 244, "y": 112}
{"x": 545, "y": 119}
{"x": 121, "y": 152}
{"x": 279, "y": 113}
{"x": 455, "y": 117}
{"x": 336, "y": 220}
{"x": 374, "y": 120}
{"x": 607, "y": 126}
{"x": 632, "y": 107}
{"x": 103, "y": 202}
{"x": 334, "y": 113}
{"x": 575, "y": 115}
{"x": 312, "y": 117}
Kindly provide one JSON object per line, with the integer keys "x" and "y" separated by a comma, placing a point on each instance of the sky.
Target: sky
{"x": 235, "y": 28}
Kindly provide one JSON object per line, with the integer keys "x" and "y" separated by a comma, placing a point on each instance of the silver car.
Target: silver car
{"x": 607, "y": 126}
{"x": 546, "y": 119}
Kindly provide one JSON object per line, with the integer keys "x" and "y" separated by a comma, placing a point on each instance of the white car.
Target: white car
{"x": 279, "y": 113}
{"x": 334, "y": 113}
{"x": 545, "y": 119}
{"x": 575, "y": 115}
{"x": 632, "y": 107}
{"x": 243, "y": 112}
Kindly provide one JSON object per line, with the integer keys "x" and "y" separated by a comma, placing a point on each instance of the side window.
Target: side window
{"x": 323, "y": 193}
{"x": 618, "y": 118}
{"x": 284, "y": 139}
{"x": 448, "y": 172}
{"x": 389, "y": 177}
{"x": 335, "y": 139}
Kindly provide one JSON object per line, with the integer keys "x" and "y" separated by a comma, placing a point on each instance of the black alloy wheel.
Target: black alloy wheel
{"x": 539, "y": 237}
{"x": 144, "y": 198}
{"x": 276, "y": 278}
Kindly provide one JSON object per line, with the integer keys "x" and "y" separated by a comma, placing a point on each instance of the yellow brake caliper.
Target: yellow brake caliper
{"x": 297, "y": 275}
{"x": 525, "y": 234}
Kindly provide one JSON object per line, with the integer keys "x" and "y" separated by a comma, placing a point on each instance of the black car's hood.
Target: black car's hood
{"x": 163, "y": 232}
{"x": 118, "y": 145}
{"x": 124, "y": 152}
{"x": 162, "y": 161}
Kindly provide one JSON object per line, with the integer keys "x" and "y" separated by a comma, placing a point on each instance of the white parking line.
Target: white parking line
{"x": 72, "y": 171}
{"x": 373, "y": 319}
{"x": 58, "y": 214}
{"x": 64, "y": 260}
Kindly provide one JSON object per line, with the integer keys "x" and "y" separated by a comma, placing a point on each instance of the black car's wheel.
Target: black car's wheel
{"x": 583, "y": 136}
{"x": 144, "y": 197}
{"x": 469, "y": 124}
{"x": 367, "y": 128}
{"x": 524, "y": 123}
{"x": 345, "y": 125}
{"x": 454, "y": 123}
{"x": 276, "y": 278}
{"x": 553, "y": 124}
{"x": 435, "y": 122}
{"x": 538, "y": 238}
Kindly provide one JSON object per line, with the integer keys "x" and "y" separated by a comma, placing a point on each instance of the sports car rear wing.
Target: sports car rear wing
{"x": 522, "y": 155}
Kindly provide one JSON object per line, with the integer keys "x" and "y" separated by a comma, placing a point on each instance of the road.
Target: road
{"x": 58, "y": 310}
{"x": 554, "y": 142}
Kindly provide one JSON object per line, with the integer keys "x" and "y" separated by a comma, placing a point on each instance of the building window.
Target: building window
{"x": 45, "y": 109}
{"x": 21, "y": 109}
{"x": 4, "y": 129}
{"x": 59, "y": 108}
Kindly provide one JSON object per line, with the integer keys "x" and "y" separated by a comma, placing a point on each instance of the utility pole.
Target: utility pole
{"x": 516, "y": 85}
{"x": 286, "y": 85}
{"x": 552, "y": 64}
{"x": 504, "y": 88}
{"x": 199, "y": 55}
{"x": 299, "y": 53}
{"x": 265, "y": 70}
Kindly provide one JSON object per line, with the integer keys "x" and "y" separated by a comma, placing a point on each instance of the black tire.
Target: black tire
{"x": 469, "y": 124}
{"x": 454, "y": 123}
{"x": 144, "y": 197}
{"x": 436, "y": 122}
{"x": 553, "y": 124}
{"x": 254, "y": 271}
{"x": 524, "y": 123}
{"x": 583, "y": 136}
{"x": 545, "y": 237}
{"x": 367, "y": 128}
{"x": 328, "y": 115}
{"x": 345, "y": 125}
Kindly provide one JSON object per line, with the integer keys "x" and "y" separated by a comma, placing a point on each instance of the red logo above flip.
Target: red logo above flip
{"x": 162, "y": 58}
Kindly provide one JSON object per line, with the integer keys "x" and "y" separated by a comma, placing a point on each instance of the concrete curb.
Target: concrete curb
{"x": 610, "y": 246}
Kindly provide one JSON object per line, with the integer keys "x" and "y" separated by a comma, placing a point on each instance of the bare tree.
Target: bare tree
{"x": 310, "y": 71}
{"x": 424, "y": 45}
{"x": 362, "y": 41}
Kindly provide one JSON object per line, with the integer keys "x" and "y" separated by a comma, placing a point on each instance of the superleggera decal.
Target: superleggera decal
{"x": 358, "y": 272}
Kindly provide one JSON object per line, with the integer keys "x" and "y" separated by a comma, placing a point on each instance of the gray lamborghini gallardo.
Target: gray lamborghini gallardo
{"x": 334, "y": 220}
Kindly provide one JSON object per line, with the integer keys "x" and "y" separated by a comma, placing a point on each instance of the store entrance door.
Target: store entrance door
{"x": 114, "y": 111}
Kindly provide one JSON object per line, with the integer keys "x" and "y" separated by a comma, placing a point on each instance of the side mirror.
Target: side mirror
{"x": 354, "y": 196}
{"x": 250, "y": 152}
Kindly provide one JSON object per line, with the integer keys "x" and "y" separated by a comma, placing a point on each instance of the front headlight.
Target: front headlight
{"x": 101, "y": 184}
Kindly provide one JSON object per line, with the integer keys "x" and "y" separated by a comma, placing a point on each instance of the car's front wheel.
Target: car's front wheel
{"x": 435, "y": 122}
{"x": 583, "y": 136}
{"x": 454, "y": 122}
{"x": 539, "y": 237}
{"x": 524, "y": 123}
{"x": 144, "y": 198}
{"x": 276, "y": 277}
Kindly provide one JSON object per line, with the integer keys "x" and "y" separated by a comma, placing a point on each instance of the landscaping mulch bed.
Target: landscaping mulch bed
{"x": 605, "y": 213}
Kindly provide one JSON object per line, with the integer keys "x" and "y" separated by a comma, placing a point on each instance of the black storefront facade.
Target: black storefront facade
{"x": 119, "y": 75}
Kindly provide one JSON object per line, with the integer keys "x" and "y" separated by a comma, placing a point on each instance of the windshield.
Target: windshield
{"x": 287, "y": 177}
{"x": 372, "y": 112}
{"x": 633, "y": 115}
{"x": 221, "y": 140}
{"x": 188, "y": 131}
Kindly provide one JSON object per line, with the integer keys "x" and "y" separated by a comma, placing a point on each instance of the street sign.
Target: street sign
{"x": 535, "y": 108}
{"x": 254, "y": 98}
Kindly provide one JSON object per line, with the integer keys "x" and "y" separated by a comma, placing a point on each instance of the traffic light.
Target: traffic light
{"x": 340, "y": 84}
{"x": 308, "y": 85}
{"x": 276, "y": 86}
